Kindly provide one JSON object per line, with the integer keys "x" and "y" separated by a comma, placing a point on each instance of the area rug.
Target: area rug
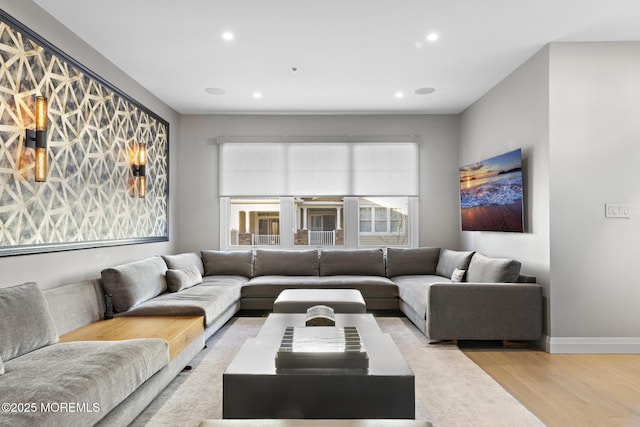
{"x": 451, "y": 390}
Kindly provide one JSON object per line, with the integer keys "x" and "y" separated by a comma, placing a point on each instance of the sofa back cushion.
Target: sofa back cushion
{"x": 133, "y": 283}
{"x": 361, "y": 262}
{"x": 75, "y": 305}
{"x": 180, "y": 261}
{"x": 450, "y": 260}
{"x": 26, "y": 324}
{"x": 286, "y": 263}
{"x": 183, "y": 278}
{"x": 486, "y": 269}
{"x": 411, "y": 261}
{"x": 228, "y": 263}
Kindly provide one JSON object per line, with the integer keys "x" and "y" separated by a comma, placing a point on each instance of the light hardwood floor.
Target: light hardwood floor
{"x": 568, "y": 389}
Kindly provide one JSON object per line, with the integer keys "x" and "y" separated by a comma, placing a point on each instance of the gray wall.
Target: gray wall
{"x": 574, "y": 108}
{"x": 594, "y": 153}
{"x": 54, "y": 269}
{"x": 515, "y": 114}
{"x": 198, "y": 185}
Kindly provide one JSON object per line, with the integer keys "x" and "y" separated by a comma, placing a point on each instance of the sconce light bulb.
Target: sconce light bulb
{"x": 41, "y": 113}
{"x": 142, "y": 186}
{"x": 142, "y": 154}
{"x": 41, "y": 164}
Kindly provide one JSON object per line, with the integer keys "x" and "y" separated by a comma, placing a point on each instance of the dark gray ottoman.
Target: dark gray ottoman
{"x": 299, "y": 300}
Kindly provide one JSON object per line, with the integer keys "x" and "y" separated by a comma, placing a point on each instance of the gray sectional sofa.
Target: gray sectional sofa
{"x": 447, "y": 294}
{"x": 179, "y": 285}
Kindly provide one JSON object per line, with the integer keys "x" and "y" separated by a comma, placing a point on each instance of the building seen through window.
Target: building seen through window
{"x": 318, "y": 221}
{"x": 255, "y": 222}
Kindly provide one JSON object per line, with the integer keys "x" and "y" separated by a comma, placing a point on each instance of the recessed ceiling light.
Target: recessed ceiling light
{"x": 424, "y": 91}
{"x": 228, "y": 36}
{"x": 399, "y": 95}
{"x": 431, "y": 37}
{"x": 257, "y": 95}
{"x": 215, "y": 91}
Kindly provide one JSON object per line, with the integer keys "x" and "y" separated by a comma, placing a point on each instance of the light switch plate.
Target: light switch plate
{"x": 617, "y": 210}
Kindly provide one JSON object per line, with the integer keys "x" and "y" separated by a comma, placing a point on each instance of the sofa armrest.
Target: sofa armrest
{"x": 484, "y": 311}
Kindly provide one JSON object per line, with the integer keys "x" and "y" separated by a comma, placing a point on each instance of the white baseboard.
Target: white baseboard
{"x": 608, "y": 345}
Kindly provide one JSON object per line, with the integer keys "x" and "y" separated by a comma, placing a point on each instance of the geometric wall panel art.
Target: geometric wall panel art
{"x": 85, "y": 200}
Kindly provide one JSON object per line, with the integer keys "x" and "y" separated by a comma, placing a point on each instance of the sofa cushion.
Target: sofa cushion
{"x": 228, "y": 263}
{"x": 183, "y": 278}
{"x": 450, "y": 260}
{"x": 184, "y": 260}
{"x": 26, "y": 323}
{"x": 136, "y": 282}
{"x": 271, "y": 286}
{"x": 202, "y": 300}
{"x": 286, "y": 262}
{"x": 359, "y": 262}
{"x": 486, "y": 269}
{"x": 408, "y": 261}
{"x": 75, "y": 305}
{"x": 414, "y": 291}
{"x": 95, "y": 375}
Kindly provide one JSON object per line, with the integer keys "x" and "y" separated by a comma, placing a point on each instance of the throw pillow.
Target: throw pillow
{"x": 228, "y": 263}
{"x": 484, "y": 269}
{"x": 457, "y": 275}
{"x": 176, "y": 262}
{"x": 26, "y": 324}
{"x": 450, "y": 260}
{"x": 134, "y": 283}
{"x": 183, "y": 278}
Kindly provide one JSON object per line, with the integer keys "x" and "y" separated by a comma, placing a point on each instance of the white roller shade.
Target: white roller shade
{"x": 252, "y": 169}
{"x": 385, "y": 169}
{"x": 318, "y": 168}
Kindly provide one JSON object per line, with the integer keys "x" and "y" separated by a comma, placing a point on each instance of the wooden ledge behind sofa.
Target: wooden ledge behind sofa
{"x": 178, "y": 331}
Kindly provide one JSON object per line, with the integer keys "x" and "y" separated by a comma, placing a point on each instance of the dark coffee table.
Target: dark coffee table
{"x": 253, "y": 389}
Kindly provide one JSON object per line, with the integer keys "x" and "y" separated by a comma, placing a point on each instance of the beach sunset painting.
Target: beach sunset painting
{"x": 491, "y": 194}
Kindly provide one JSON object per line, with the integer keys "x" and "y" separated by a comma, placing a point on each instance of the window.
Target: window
{"x": 290, "y": 192}
{"x": 319, "y": 221}
{"x": 365, "y": 220}
{"x": 254, "y": 222}
{"x": 383, "y": 221}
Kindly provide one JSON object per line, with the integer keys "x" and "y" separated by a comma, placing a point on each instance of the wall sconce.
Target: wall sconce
{"x": 37, "y": 139}
{"x": 138, "y": 180}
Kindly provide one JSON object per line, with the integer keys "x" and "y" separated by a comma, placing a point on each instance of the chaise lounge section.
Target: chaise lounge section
{"x": 463, "y": 295}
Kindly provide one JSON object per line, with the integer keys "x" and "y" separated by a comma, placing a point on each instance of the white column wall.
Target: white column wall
{"x": 594, "y": 154}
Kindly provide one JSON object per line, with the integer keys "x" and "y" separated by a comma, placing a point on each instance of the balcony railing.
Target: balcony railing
{"x": 265, "y": 239}
{"x": 322, "y": 238}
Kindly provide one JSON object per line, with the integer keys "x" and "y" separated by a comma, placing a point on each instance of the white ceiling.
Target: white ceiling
{"x": 352, "y": 55}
